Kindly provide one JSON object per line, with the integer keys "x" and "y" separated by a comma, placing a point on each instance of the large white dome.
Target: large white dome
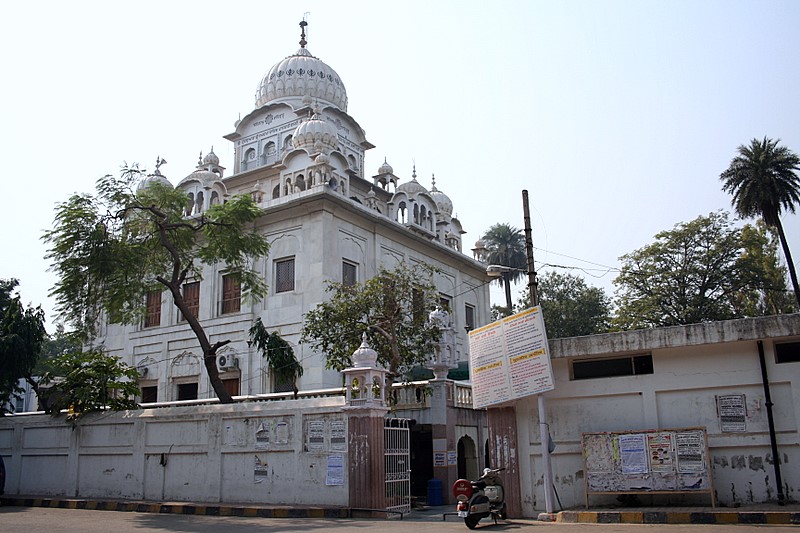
{"x": 302, "y": 75}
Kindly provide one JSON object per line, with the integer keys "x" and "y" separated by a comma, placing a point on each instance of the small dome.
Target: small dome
{"x": 211, "y": 159}
{"x": 364, "y": 356}
{"x": 479, "y": 244}
{"x": 322, "y": 159}
{"x": 155, "y": 177}
{"x": 315, "y": 135}
{"x": 443, "y": 202}
{"x": 205, "y": 177}
{"x": 412, "y": 187}
{"x": 385, "y": 168}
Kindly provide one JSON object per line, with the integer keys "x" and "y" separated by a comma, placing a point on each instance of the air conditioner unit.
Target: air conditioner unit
{"x": 143, "y": 371}
{"x": 227, "y": 362}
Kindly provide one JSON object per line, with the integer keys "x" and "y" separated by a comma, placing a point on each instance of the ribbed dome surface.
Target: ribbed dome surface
{"x": 315, "y": 135}
{"x": 411, "y": 187}
{"x": 156, "y": 177}
{"x": 301, "y": 75}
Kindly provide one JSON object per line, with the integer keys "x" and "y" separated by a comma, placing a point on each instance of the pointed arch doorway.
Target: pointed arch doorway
{"x": 467, "y": 458}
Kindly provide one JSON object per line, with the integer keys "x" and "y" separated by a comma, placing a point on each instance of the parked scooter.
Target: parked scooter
{"x": 480, "y": 498}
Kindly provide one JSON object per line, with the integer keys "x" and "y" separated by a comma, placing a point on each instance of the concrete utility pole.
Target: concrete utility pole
{"x": 544, "y": 430}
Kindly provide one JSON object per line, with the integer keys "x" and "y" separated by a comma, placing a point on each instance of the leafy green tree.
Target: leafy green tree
{"x": 278, "y": 354}
{"x": 505, "y": 245}
{"x": 21, "y": 336}
{"x": 89, "y": 382}
{"x": 570, "y": 307}
{"x": 771, "y": 295}
{"x": 58, "y": 343}
{"x": 764, "y": 182}
{"x": 696, "y": 272}
{"x": 391, "y": 308}
{"x": 110, "y": 249}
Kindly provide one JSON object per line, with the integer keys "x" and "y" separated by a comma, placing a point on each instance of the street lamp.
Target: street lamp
{"x": 496, "y": 271}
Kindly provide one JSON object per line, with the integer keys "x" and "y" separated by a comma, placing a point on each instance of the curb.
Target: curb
{"x": 680, "y": 517}
{"x": 179, "y": 508}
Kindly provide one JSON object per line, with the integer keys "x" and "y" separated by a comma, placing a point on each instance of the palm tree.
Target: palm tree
{"x": 763, "y": 182}
{"x": 505, "y": 245}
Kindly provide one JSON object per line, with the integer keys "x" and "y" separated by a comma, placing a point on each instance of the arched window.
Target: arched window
{"x": 198, "y": 202}
{"x": 287, "y": 143}
{"x": 416, "y": 214}
{"x": 341, "y": 187}
{"x": 214, "y": 197}
{"x": 352, "y": 161}
{"x": 287, "y": 187}
{"x": 401, "y": 213}
{"x": 300, "y": 183}
{"x": 189, "y": 204}
{"x": 270, "y": 152}
{"x": 276, "y": 192}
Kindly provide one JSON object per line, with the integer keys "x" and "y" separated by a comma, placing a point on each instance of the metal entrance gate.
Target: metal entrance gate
{"x": 397, "y": 464}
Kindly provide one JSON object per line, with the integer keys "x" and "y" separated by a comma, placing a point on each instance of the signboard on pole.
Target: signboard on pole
{"x": 510, "y": 359}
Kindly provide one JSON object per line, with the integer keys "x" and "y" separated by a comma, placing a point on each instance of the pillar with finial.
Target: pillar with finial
{"x": 443, "y": 358}
{"x": 365, "y": 381}
{"x": 366, "y": 408}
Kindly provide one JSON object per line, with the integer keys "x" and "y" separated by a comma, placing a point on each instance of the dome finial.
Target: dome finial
{"x": 303, "y": 25}
{"x": 414, "y": 171}
{"x": 433, "y": 181}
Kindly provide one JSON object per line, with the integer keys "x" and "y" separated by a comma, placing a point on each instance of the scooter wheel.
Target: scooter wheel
{"x": 472, "y": 521}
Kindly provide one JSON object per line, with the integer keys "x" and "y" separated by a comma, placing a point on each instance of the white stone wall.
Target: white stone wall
{"x": 192, "y": 453}
{"x": 691, "y": 366}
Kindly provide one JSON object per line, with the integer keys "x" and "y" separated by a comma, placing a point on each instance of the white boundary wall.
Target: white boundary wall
{"x": 202, "y": 453}
{"x": 692, "y": 366}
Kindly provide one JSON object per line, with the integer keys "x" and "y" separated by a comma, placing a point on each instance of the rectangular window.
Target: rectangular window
{"x": 349, "y": 274}
{"x": 187, "y": 391}
{"x": 284, "y": 275}
{"x": 787, "y": 352}
{"x": 150, "y": 394}
{"x": 231, "y": 294}
{"x": 191, "y": 295}
{"x": 469, "y": 317}
{"x": 152, "y": 317}
{"x": 444, "y": 302}
{"x": 618, "y": 366}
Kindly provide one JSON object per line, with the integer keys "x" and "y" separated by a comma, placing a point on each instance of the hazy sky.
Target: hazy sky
{"x": 616, "y": 116}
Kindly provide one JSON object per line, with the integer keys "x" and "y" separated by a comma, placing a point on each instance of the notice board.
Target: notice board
{"x": 509, "y": 359}
{"x": 647, "y": 462}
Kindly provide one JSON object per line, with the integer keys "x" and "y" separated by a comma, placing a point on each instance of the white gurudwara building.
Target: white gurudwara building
{"x": 301, "y": 156}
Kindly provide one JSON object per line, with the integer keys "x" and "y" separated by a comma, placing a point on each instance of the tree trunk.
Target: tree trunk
{"x": 507, "y": 283}
{"x": 209, "y": 350}
{"x": 789, "y": 263}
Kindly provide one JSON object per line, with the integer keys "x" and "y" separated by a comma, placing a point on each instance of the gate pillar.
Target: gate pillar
{"x": 366, "y": 407}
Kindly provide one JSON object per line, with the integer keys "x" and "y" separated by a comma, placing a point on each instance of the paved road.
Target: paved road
{"x": 46, "y": 520}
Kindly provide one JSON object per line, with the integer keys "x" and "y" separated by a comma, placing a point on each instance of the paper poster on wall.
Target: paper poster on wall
{"x": 690, "y": 446}
{"x": 260, "y": 468}
{"x": 732, "y": 411}
{"x": 660, "y": 451}
{"x": 282, "y": 433}
{"x": 316, "y": 435}
{"x": 452, "y": 458}
{"x": 338, "y": 436}
{"x": 439, "y": 459}
{"x": 262, "y": 436}
{"x": 510, "y": 359}
{"x": 598, "y": 452}
{"x": 335, "y": 473}
{"x": 633, "y": 453}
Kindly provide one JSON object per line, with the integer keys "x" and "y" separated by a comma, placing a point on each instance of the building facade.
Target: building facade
{"x": 301, "y": 156}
